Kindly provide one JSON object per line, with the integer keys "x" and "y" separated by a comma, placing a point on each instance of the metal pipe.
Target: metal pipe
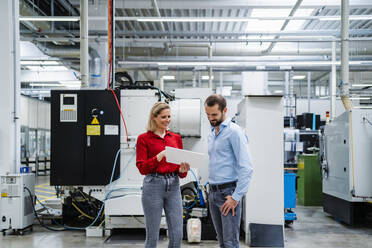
{"x": 221, "y": 82}
{"x": 178, "y": 79}
{"x": 199, "y": 79}
{"x": 52, "y": 13}
{"x": 291, "y": 99}
{"x": 157, "y": 12}
{"x": 186, "y": 42}
{"x": 84, "y": 46}
{"x": 17, "y": 87}
{"x": 333, "y": 82}
{"x": 321, "y": 33}
{"x": 344, "y": 85}
{"x": 210, "y": 85}
{"x": 286, "y": 87}
{"x": 193, "y": 79}
{"x": 308, "y": 91}
{"x": 113, "y": 66}
{"x": 67, "y": 5}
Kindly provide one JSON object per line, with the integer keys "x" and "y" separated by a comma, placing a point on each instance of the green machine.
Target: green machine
{"x": 309, "y": 181}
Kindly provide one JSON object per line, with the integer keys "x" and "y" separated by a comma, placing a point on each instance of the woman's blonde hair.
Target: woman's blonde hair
{"x": 155, "y": 111}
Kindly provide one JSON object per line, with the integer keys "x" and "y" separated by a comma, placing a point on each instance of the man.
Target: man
{"x": 230, "y": 171}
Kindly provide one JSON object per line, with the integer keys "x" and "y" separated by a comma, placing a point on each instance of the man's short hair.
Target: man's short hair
{"x": 216, "y": 99}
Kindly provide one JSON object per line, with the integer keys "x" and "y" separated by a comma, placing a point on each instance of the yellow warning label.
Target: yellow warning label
{"x": 95, "y": 121}
{"x": 4, "y": 194}
{"x": 93, "y": 130}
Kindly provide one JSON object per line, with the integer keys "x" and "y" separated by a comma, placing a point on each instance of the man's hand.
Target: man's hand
{"x": 184, "y": 167}
{"x": 229, "y": 204}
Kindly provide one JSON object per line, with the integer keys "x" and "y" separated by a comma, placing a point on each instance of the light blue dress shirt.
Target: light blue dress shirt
{"x": 229, "y": 158}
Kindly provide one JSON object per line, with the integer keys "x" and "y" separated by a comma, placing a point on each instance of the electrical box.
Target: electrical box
{"x": 15, "y": 202}
{"x": 85, "y": 137}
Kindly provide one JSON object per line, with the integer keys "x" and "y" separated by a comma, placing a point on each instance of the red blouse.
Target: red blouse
{"x": 149, "y": 145}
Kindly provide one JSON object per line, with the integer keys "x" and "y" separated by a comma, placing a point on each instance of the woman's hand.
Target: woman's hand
{"x": 184, "y": 167}
{"x": 160, "y": 156}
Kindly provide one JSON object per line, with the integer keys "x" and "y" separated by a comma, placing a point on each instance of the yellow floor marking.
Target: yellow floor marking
{"x": 47, "y": 199}
{"x": 42, "y": 196}
{"x": 43, "y": 184}
{"x": 46, "y": 186}
{"x": 44, "y": 191}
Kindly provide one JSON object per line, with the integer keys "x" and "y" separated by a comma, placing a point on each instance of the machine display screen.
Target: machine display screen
{"x": 68, "y": 100}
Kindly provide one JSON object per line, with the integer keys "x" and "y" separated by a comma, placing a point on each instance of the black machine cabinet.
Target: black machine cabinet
{"x": 85, "y": 137}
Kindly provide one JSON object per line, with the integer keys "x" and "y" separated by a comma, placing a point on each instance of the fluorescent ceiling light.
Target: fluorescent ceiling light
{"x": 362, "y": 107}
{"x": 362, "y": 85}
{"x": 281, "y": 15}
{"x": 297, "y": 24}
{"x": 284, "y": 65}
{"x": 50, "y": 18}
{"x": 351, "y": 18}
{"x": 360, "y": 17}
{"x": 46, "y": 68}
{"x": 168, "y": 77}
{"x": 278, "y": 91}
{"x": 206, "y": 77}
{"x": 72, "y": 82}
{"x": 360, "y": 98}
{"x": 34, "y": 62}
{"x": 191, "y": 19}
{"x": 299, "y": 77}
{"x": 46, "y": 85}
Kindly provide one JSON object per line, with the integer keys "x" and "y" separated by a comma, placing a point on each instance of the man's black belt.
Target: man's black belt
{"x": 215, "y": 187}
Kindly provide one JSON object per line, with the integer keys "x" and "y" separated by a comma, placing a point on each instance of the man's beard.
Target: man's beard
{"x": 217, "y": 123}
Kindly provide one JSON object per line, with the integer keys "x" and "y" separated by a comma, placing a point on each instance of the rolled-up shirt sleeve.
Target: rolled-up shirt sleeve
{"x": 239, "y": 142}
{"x": 144, "y": 164}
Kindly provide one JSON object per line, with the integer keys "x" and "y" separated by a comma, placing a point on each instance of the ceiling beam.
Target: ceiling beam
{"x": 197, "y": 4}
{"x": 291, "y": 14}
{"x": 317, "y": 32}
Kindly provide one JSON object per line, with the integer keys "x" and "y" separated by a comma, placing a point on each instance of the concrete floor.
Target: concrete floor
{"x": 313, "y": 228}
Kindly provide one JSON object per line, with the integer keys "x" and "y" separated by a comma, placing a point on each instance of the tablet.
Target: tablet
{"x": 177, "y": 156}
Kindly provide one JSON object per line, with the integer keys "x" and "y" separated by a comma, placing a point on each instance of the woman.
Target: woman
{"x": 161, "y": 187}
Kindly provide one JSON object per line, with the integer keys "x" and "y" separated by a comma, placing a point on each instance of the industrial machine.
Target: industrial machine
{"x": 309, "y": 182}
{"x": 346, "y": 165}
{"x": 16, "y": 202}
{"x": 92, "y": 150}
{"x": 292, "y": 147}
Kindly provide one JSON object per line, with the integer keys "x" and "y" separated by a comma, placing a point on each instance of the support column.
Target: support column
{"x": 178, "y": 79}
{"x": 333, "y": 82}
{"x": 84, "y": 45}
{"x": 199, "y": 79}
{"x": 286, "y": 93}
{"x": 308, "y": 91}
{"x": 210, "y": 83}
{"x": 10, "y": 91}
{"x": 345, "y": 54}
{"x": 221, "y": 82}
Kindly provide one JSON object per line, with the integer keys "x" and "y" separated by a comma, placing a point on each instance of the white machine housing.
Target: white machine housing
{"x": 124, "y": 210}
{"x": 348, "y": 143}
{"x": 16, "y": 208}
{"x": 262, "y": 119}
